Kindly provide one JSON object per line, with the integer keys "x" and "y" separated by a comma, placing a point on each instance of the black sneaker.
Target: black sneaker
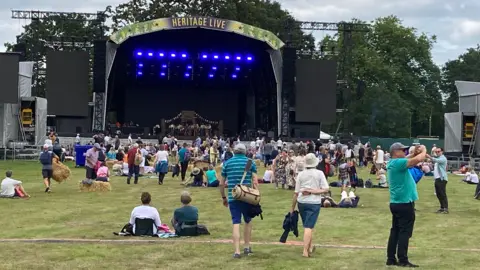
{"x": 391, "y": 262}
{"x": 47, "y": 190}
{"x": 236, "y": 256}
{"x": 440, "y": 211}
{"x": 445, "y": 211}
{"x": 247, "y": 251}
{"x": 135, "y": 182}
{"x": 407, "y": 264}
{"x": 128, "y": 181}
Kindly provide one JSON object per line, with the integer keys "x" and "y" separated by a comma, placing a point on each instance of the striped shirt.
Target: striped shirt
{"x": 232, "y": 172}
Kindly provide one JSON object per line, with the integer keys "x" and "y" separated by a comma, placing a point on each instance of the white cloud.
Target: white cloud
{"x": 454, "y": 23}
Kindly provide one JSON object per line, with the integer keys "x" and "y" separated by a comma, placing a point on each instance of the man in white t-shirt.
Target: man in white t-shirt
{"x": 279, "y": 144}
{"x": 145, "y": 211}
{"x": 379, "y": 158}
{"x": 11, "y": 187}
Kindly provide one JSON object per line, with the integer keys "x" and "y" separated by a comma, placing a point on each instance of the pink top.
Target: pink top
{"x": 102, "y": 171}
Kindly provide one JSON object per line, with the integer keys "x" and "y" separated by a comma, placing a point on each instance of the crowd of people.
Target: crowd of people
{"x": 303, "y": 167}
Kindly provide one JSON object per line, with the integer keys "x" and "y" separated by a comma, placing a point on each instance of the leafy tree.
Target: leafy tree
{"x": 465, "y": 68}
{"x": 396, "y": 61}
{"x": 39, "y": 35}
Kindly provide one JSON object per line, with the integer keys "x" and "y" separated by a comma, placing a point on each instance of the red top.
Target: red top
{"x": 131, "y": 156}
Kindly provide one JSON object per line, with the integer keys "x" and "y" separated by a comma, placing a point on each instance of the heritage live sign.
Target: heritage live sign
{"x": 207, "y": 22}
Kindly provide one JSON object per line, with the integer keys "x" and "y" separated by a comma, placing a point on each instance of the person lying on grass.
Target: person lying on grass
{"x": 349, "y": 200}
{"x": 12, "y": 188}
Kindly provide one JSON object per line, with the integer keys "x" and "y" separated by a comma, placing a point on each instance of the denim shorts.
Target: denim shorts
{"x": 239, "y": 209}
{"x": 309, "y": 213}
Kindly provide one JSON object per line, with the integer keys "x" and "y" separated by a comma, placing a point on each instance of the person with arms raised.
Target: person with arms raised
{"x": 403, "y": 194}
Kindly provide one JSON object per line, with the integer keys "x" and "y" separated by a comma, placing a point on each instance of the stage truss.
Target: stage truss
{"x": 344, "y": 78}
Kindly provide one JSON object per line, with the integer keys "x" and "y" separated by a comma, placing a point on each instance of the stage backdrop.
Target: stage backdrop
{"x": 147, "y": 107}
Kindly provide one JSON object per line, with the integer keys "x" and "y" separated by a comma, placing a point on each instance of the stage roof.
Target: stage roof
{"x": 142, "y": 28}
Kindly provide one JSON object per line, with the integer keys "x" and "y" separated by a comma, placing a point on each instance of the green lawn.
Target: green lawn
{"x": 68, "y": 213}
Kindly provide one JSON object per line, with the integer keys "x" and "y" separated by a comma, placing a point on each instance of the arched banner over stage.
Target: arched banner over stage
{"x": 166, "y": 24}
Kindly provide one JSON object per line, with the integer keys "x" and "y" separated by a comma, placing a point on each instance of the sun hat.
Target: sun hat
{"x": 196, "y": 171}
{"x": 240, "y": 148}
{"x": 311, "y": 161}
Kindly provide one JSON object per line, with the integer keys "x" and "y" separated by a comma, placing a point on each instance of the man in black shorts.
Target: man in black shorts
{"x": 46, "y": 158}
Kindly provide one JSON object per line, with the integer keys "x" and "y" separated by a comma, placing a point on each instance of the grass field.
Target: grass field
{"x": 68, "y": 213}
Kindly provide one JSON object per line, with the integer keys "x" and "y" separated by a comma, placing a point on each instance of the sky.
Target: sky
{"x": 454, "y": 22}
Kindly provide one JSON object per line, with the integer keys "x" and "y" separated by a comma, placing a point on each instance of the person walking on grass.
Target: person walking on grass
{"x": 403, "y": 194}
{"x": 311, "y": 183}
{"x": 232, "y": 172}
{"x": 46, "y": 159}
{"x": 441, "y": 178}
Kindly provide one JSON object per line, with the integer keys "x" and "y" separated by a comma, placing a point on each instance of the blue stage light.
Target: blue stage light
{"x": 139, "y": 73}
{"x": 139, "y": 53}
{"x": 173, "y": 55}
{"x": 187, "y": 74}
{"x": 249, "y": 58}
{"x": 162, "y": 74}
{"x": 238, "y": 58}
{"x": 234, "y": 76}
{"x": 210, "y": 75}
{"x": 237, "y": 69}
{"x": 214, "y": 68}
{"x": 215, "y": 56}
{"x": 227, "y": 57}
{"x": 204, "y": 56}
{"x": 164, "y": 66}
{"x": 140, "y": 65}
{"x": 161, "y": 54}
{"x": 184, "y": 55}
{"x": 189, "y": 67}
{"x": 150, "y": 54}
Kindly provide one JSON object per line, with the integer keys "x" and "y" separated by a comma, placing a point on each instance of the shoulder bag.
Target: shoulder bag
{"x": 245, "y": 193}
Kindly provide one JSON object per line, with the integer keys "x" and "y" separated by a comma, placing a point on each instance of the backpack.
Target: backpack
{"x": 46, "y": 158}
{"x": 360, "y": 182}
{"x": 368, "y": 183}
{"x": 187, "y": 155}
{"x": 138, "y": 158}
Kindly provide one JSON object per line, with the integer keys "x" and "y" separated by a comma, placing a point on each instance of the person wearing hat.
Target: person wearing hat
{"x": 197, "y": 177}
{"x": 91, "y": 159}
{"x": 311, "y": 184}
{"x": 233, "y": 171}
{"x": 403, "y": 194}
{"x": 46, "y": 159}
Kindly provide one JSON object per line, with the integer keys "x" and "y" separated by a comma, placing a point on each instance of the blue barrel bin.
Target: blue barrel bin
{"x": 80, "y": 151}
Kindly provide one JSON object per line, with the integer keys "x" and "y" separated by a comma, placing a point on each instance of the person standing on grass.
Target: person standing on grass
{"x": 441, "y": 178}
{"x": 91, "y": 159}
{"x": 46, "y": 159}
{"x": 311, "y": 183}
{"x": 403, "y": 194}
{"x": 183, "y": 159}
{"x": 134, "y": 160}
{"x": 232, "y": 171}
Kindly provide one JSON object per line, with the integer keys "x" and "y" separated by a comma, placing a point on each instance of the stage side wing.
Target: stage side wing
{"x": 453, "y": 132}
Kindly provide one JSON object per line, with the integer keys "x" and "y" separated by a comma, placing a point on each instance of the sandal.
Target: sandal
{"x": 313, "y": 250}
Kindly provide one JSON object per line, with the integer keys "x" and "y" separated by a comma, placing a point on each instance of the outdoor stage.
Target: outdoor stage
{"x": 192, "y": 76}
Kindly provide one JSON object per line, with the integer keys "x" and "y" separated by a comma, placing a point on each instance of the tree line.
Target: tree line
{"x": 395, "y": 88}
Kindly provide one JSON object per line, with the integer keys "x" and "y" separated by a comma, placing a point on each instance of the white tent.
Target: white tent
{"x": 325, "y": 136}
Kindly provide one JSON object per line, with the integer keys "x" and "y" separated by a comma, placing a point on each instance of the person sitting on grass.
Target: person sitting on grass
{"x": 145, "y": 211}
{"x": 268, "y": 175}
{"x": 212, "y": 178}
{"x": 471, "y": 177}
{"x": 197, "y": 178}
{"x": 12, "y": 188}
{"x": 185, "y": 217}
{"x": 103, "y": 173}
{"x": 382, "y": 180}
{"x": 348, "y": 200}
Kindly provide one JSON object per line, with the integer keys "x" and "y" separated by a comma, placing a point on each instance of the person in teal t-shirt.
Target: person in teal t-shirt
{"x": 212, "y": 178}
{"x": 403, "y": 194}
{"x": 181, "y": 159}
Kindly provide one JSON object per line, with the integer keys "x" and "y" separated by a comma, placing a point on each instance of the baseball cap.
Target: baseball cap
{"x": 398, "y": 146}
{"x": 97, "y": 146}
{"x": 240, "y": 148}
